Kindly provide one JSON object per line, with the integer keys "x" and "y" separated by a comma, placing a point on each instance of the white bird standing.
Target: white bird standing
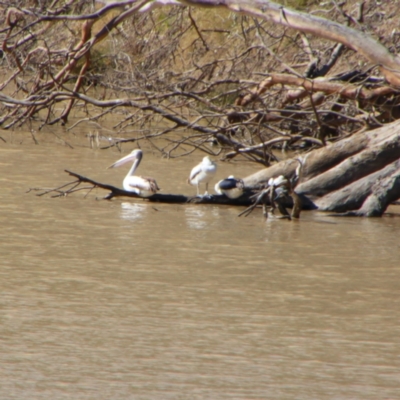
{"x": 230, "y": 187}
{"x": 203, "y": 173}
{"x": 143, "y": 186}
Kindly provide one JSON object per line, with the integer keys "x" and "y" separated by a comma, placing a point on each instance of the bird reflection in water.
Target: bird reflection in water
{"x": 133, "y": 211}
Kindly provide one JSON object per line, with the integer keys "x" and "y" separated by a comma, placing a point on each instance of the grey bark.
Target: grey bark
{"x": 359, "y": 175}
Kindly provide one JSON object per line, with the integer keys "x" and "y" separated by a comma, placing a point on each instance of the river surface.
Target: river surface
{"x": 124, "y": 299}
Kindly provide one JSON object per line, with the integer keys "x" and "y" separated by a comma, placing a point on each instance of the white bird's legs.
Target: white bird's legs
{"x": 202, "y": 172}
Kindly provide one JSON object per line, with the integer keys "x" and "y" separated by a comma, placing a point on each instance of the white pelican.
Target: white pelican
{"x": 230, "y": 187}
{"x": 143, "y": 186}
{"x": 203, "y": 172}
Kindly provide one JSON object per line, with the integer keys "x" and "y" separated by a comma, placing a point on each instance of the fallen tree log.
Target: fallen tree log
{"x": 358, "y": 175}
{"x": 359, "y": 194}
{"x": 383, "y": 193}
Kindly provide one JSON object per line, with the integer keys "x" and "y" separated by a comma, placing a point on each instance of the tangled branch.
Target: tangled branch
{"x": 171, "y": 72}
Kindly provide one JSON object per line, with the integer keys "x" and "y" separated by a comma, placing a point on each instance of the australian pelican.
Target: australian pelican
{"x": 143, "y": 186}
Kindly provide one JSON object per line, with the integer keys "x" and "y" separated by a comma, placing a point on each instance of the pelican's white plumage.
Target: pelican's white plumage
{"x": 230, "y": 187}
{"x": 143, "y": 186}
{"x": 203, "y": 173}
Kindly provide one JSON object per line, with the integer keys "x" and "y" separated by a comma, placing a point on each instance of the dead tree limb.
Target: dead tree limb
{"x": 324, "y": 85}
{"x": 159, "y": 197}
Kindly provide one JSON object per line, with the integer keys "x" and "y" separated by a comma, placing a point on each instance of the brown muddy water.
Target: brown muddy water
{"x": 125, "y": 299}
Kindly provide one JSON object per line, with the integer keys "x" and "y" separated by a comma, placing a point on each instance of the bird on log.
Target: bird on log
{"x": 143, "y": 186}
{"x": 202, "y": 173}
{"x": 230, "y": 187}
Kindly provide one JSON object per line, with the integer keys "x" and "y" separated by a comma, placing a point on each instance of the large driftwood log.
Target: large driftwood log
{"x": 360, "y": 195}
{"x": 358, "y": 175}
